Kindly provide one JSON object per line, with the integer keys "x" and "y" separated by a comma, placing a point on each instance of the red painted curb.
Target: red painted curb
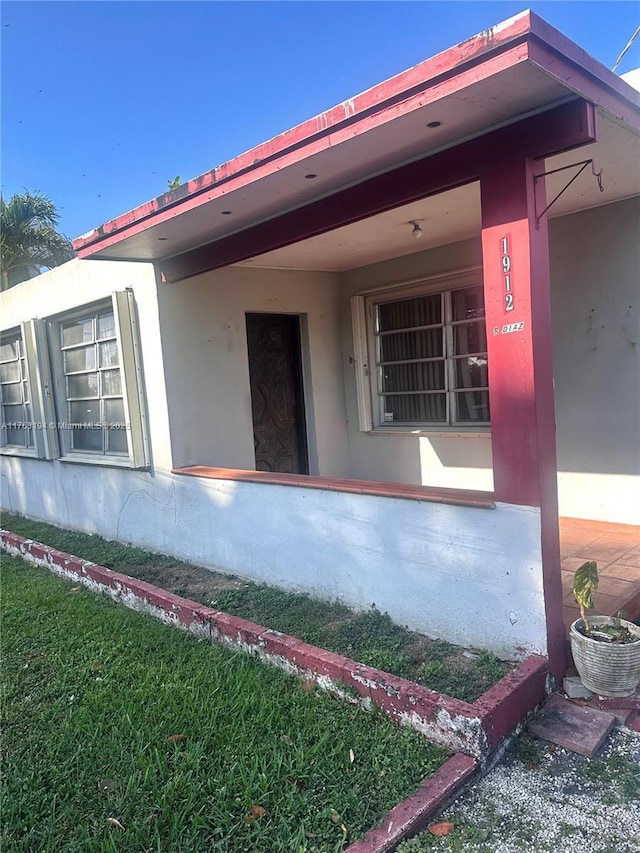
{"x": 12, "y": 539}
{"x": 414, "y": 813}
{"x": 474, "y": 729}
{"x": 501, "y": 706}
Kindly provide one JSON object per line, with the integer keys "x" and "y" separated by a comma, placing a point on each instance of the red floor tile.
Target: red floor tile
{"x": 614, "y": 548}
{"x": 632, "y": 558}
{"x": 603, "y": 552}
{"x": 571, "y": 564}
{"x": 620, "y": 571}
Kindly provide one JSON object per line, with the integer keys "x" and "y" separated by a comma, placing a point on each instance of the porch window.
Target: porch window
{"x": 425, "y": 354}
{"x": 96, "y": 381}
{"x": 15, "y": 394}
{"x": 24, "y": 409}
{"x": 93, "y": 383}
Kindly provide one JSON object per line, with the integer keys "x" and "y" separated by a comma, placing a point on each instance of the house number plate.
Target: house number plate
{"x": 506, "y": 273}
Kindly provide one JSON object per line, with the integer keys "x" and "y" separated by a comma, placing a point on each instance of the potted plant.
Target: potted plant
{"x": 605, "y": 649}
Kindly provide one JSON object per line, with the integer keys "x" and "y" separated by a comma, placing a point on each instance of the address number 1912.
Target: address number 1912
{"x": 506, "y": 274}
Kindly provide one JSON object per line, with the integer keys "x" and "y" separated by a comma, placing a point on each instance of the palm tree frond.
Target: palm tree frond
{"x": 28, "y": 237}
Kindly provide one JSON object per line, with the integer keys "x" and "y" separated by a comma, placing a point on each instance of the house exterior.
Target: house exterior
{"x": 373, "y": 358}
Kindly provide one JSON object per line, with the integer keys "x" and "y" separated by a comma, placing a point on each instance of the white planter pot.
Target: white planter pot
{"x": 606, "y": 669}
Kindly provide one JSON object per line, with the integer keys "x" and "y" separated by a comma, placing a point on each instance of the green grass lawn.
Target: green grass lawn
{"x": 121, "y": 734}
{"x": 370, "y": 637}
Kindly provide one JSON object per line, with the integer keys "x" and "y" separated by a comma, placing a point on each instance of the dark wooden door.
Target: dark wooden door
{"x": 275, "y": 373}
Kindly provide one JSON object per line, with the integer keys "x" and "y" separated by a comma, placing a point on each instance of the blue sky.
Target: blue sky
{"x": 104, "y": 102}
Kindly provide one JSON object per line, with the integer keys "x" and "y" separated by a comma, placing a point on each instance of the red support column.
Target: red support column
{"x": 517, "y": 302}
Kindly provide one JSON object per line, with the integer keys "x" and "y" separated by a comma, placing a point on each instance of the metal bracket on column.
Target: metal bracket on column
{"x": 583, "y": 165}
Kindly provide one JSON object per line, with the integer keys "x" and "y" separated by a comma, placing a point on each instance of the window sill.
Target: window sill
{"x": 102, "y": 461}
{"x": 17, "y": 451}
{"x": 430, "y": 494}
{"x": 449, "y": 432}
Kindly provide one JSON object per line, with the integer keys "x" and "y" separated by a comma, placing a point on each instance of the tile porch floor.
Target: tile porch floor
{"x": 616, "y": 550}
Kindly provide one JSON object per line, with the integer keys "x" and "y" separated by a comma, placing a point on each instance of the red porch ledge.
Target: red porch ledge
{"x": 431, "y": 494}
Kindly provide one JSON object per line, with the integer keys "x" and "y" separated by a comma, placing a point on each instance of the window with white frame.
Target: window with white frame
{"x": 96, "y": 383}
{"x": 423, "y": 350}
{"x": 94, "y": 404}
{"x": 15, "y": 394}
{"x": 26, "y": 410}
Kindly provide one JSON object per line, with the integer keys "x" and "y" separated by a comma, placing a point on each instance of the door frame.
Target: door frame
{"x": 301, "y": 383}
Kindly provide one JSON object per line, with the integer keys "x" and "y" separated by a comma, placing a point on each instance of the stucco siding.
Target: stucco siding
{"x": 450, "y": 459}
{"x": 204, "y": 339}
{"x": 467, "y": 575}
{"x": 595, "y": 278}
{"x": 595, "y": 292}
{"x": 80, "y": 283}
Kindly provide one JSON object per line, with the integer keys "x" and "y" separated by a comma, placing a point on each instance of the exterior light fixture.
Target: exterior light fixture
{"x": 433, "y": 124}
{"x": 311, "y": 176}
{"x": 416, "y": 233}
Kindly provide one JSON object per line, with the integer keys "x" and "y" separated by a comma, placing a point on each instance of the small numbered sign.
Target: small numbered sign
{"x": 507, "y": 273}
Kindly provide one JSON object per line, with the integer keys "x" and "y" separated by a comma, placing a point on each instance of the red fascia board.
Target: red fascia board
{"x": 516, "y": 54}
{"x": 527, "y": 37}
{"x": 608, "y": 90}
{"x": 563, "y": 128}
{"x": 409, "y": 85}
{"x": 583, "y": 81}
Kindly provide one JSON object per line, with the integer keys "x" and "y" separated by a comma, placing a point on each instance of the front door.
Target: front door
{"x": 275, "y": 373}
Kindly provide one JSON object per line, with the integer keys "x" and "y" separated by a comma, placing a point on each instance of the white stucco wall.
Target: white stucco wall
{"x": 595, "y": 287}
{"x": 205, "y": 344}
{"x": 78, "y": 283}
{"x": 468, "y": 575}
{"x": 465, "y": 574}
{"x": 595, "y": 278}
{"x": 447, "y": 459}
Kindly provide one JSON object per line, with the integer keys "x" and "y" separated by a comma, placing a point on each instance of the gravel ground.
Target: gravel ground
{"x": 544, "y": 798}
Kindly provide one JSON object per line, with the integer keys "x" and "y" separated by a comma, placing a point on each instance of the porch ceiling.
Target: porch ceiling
{"x": 456, "y": 215}
{"x": 496, "y": 78}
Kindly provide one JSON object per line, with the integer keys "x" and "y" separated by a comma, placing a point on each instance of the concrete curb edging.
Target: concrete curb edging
{"x": 415, "y": 812}
{"x": 473, "y": 729}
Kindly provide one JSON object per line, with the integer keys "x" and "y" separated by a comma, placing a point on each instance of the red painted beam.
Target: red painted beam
{"x": 560, "y": 129}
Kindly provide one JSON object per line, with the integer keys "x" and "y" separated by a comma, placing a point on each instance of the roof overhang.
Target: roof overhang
{"x": 512, "y": 72}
